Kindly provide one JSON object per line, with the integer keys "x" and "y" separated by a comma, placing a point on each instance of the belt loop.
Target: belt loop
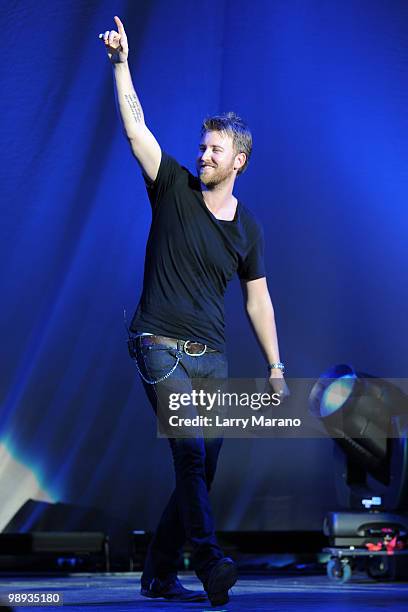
{"x": 179, "y": 352}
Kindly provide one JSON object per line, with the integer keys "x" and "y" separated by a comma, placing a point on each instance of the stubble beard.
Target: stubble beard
{"x": 215, "y": 176}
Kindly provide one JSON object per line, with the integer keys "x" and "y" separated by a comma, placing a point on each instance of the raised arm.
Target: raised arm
{"x": 143, "y": 144}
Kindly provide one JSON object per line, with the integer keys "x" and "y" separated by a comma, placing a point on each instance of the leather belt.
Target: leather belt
{"x": 190, "y": 347}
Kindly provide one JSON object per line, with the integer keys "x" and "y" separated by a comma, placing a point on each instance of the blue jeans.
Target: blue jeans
{"x": 188, "y": 514}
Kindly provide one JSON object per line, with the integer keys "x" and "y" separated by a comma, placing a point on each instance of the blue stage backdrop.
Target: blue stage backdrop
{"x": 324, "y": 87}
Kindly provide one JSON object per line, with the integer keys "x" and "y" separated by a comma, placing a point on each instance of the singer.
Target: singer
{"x": 201, "y": 235}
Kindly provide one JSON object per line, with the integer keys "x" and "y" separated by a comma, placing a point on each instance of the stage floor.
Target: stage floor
{"x": 120, "y": 592}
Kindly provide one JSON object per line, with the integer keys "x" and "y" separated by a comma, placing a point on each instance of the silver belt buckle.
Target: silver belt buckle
{"x": 187, "y": 342}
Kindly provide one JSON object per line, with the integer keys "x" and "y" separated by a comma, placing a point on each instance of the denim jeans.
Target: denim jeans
{"x": 188, "y": 514}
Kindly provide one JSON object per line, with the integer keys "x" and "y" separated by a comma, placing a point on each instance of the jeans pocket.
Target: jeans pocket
{"x": 156, "y": 361}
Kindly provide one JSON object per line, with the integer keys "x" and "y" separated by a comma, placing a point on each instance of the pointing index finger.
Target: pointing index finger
{"x": 120, "y": 25}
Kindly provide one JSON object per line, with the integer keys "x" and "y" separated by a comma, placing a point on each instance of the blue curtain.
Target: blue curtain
{"x": 323, "y": 86}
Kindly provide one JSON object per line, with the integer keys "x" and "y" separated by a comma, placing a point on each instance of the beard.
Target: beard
{"x": 214, "y": 176}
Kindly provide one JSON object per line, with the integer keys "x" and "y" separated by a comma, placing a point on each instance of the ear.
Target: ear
{"x": 240, "y": 160}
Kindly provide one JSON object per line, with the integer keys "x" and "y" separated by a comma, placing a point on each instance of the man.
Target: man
{"x": 200, "y": 236}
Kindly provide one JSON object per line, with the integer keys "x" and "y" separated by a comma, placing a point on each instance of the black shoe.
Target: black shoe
{"x": 171, "y": 589}
{"x": 222, "y": 577}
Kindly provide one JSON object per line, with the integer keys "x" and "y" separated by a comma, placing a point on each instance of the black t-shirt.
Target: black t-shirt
{"x": 190, "y": 257}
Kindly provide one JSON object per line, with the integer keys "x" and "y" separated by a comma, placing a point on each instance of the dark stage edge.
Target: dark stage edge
{"x": 120, "y": 592}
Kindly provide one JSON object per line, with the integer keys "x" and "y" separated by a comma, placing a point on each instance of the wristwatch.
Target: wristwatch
{"x": 276, "y": 366}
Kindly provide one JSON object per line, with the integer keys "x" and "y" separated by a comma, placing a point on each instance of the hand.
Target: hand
{"x": 278, "y": 384}
{"x": 116, "y": 43}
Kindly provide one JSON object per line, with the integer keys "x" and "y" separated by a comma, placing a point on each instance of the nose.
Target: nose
{"x": 205, "y": 154}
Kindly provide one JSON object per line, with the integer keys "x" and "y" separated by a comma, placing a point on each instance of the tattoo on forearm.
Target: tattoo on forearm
{"x": 135, "y": 107}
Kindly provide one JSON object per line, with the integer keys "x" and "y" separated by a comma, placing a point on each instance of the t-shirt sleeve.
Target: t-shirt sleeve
{"x": 169, "y": 171}
{"x": 253, "y": 265}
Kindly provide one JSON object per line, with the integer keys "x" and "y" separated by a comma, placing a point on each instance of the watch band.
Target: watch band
{"x": 276, "y": 366}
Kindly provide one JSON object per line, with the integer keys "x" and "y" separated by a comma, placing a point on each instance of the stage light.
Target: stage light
{"x": 19, "y": 482}
{"x": 367, "y": 419}
{"x": 336, "y": 394}
{"x": 360, "y": 412}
